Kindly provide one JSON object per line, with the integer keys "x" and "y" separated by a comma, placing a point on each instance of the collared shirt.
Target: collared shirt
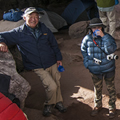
{"x": 35, "y": 31}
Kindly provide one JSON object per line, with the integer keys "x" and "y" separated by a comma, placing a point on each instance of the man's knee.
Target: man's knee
{"x": 52, "y": 87}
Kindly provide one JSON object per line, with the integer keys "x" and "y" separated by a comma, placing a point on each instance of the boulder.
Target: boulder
{"x": 78, "y": 29}
{"x": 18, "y": 85}
{"x": 17, "y": 57}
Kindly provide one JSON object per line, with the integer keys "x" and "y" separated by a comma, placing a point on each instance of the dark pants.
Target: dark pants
{"x": 98, "y": 84}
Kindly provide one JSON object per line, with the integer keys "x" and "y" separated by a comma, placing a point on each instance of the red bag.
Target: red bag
{"x": 9, "y": 110}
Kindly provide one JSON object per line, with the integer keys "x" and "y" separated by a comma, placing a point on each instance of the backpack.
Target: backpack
{"x": 13, "y": 15}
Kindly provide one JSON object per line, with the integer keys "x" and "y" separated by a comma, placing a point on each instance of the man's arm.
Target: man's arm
{"x": 54, "y": 45}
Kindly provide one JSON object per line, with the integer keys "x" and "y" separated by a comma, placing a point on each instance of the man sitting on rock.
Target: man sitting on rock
{"x": 40, "y": 53}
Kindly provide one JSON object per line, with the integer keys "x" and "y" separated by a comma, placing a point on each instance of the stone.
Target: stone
{"x": 18, "y": 85}
{"x": 78, "y": 29}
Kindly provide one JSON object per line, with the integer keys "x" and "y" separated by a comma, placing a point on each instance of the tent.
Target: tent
{"x": 53, "y": 21}
{"x": 80, "y": 10}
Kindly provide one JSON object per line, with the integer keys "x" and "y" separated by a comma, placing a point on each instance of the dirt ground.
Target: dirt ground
{"x": 76, "y": 87}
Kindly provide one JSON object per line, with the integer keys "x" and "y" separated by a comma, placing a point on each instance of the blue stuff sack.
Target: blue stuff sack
{"x": 61, "y": 68}
{"x": 13, "y": 15}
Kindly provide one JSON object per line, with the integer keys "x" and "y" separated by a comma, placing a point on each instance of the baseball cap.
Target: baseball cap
{"x": 31, "y": 10}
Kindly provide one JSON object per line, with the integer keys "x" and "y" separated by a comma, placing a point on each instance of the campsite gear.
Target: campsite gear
{"x": 80, "y": 10}
{"x": 95, "y": 22}
{"x": 9, "y": 110}
{"x": 52, "y": 20}
{"x": 13, "y": 15}
{"x": 61, "y": 68}
{"x": 4, "y": 86}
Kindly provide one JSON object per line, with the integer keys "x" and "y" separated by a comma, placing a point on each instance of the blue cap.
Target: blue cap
{"x": 95, "y": 33}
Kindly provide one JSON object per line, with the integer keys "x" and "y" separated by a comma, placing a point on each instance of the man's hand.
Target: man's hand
{"x": 3, "y": 47}
{"x": 59, "y": 63}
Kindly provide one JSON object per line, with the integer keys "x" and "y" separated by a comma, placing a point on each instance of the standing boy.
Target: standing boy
{"x": 97, "y": 49}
